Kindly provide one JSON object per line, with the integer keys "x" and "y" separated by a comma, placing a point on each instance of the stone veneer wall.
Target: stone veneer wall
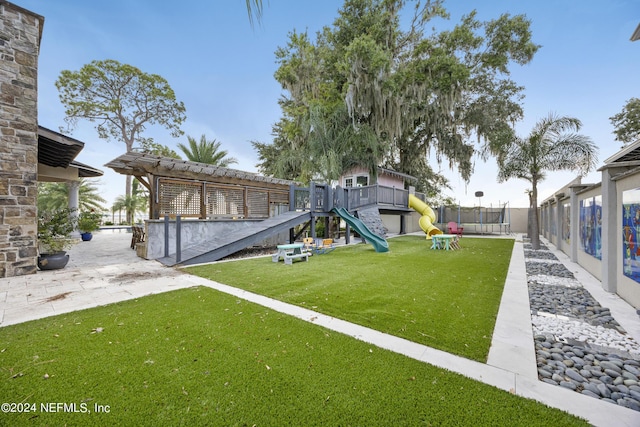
{"x": 20, "y": 32}
{"x": 372, "y": 219}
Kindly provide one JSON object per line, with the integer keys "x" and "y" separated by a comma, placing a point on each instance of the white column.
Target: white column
{"x": 610, "y": 236}
{"x": 574, "y": 223}
{"x": 559, "y": 207}
{"x": 74, "y": 203}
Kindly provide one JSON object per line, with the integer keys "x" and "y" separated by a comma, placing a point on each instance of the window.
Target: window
{"x": 362, "y": 181}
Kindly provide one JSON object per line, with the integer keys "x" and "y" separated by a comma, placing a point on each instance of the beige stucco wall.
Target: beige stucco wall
{"x": 51, "y": 174}
{"x": 553, "y": 226}
{"x": 564, "y": 223}
{"x": 518, "y": 217}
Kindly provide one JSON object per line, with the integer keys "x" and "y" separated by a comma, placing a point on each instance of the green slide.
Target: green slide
{"x": 379, "y": 243}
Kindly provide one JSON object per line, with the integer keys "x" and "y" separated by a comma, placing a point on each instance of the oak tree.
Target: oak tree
{"x": 371, "y": 92}
{"x": 122, "y": 100}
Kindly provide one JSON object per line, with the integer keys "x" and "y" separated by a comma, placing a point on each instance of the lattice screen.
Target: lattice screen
{"x": 179, "y": 198}
{"x": 258, "y": 203}
{"x": 279, "y": 197}
{"x": 222, "y": 201}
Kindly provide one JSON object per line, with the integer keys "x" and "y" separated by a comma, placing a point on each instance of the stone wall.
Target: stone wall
{"x": 20, "y": 32}
{"x": 372, "y": 219}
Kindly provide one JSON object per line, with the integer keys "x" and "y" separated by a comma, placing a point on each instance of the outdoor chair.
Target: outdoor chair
{"x": 455, "y": 243}
{"x": 454, "y": 229}
{"x": 309, "y": 245}
{"x": 323, "y": 246}
{"x": 138, "y": 236}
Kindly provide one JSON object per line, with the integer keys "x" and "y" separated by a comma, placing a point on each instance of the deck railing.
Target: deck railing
{"x": 316, "y": 198}
{"x": 323, "y": 198}
{"x": 376, "y": 195}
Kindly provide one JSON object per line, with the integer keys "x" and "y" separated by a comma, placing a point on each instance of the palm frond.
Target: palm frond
{"x": 254, "y": 8}
{"x": 205, "y": 151}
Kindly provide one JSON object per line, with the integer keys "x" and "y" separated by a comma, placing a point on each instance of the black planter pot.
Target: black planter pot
{"x": 53, "y": 261}
{"x": 86, "y": 236}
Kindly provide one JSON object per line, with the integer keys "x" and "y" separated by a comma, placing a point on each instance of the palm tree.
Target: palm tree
{"x": 206, "y": 152}
{"x": 136, "y": 202}
{"x": 552, "y": 145}
{"x": 126, "y": 203}
{"x": 54, "y": 196}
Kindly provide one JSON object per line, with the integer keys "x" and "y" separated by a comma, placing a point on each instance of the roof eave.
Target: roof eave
{"x": 636, "y": 34}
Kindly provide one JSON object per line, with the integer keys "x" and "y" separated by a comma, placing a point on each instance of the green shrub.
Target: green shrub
{"x": 54, "y": 228}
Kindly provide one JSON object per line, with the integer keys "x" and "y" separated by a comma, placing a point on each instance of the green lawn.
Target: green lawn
{"x": 444, "y": 299}
{"x": 200, "y": 357}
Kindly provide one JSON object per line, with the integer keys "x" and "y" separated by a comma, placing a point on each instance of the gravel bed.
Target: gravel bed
{"x": 543, "y": 247}
{"x": 579, "y": 345}
{"x": 593, "y": 336}
{"x": 575, "y": 303}
{"x": 541, "y": 254}
{"x": 544, "y": 279}
{"x": 549, "y": 268}
{"x": 252, "y": 252}
{"x": 609, "y": 377}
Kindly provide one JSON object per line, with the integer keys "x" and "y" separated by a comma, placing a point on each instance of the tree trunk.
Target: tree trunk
{"x": 529, "y": 220}
{"x": 128, "y": 184}
{"x": 535, "y": 230}
{"x": 127, "y": 189}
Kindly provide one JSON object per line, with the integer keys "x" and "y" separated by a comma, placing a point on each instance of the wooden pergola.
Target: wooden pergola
{"x": 200, "y": 190}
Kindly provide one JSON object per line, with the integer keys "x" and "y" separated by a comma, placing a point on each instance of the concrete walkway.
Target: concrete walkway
{"x": 105, "y": 270}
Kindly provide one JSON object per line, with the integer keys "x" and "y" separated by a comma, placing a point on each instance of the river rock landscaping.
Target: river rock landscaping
{"x": 579, "y": 345}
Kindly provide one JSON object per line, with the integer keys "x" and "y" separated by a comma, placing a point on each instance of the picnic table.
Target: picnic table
{"x": 443, "y": 241}
{"x": 289, "y": 253}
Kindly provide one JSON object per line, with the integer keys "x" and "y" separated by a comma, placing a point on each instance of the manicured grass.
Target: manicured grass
{"x": 200, "y": 357}
{"x": 444, "y": 299}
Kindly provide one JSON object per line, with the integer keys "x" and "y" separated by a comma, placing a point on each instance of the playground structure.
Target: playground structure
{"x": 201, "y": 213}
{"x": 188, "y": 242}
{"x": 379, "y": 243}
{"x": 428, "y": 216}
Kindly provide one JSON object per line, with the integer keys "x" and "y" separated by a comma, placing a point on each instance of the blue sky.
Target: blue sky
{"x": 222, "y": 69}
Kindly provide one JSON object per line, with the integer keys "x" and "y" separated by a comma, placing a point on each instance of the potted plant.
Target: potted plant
{"x": 87, "y": 223}
{"x": 53, "y": 238}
